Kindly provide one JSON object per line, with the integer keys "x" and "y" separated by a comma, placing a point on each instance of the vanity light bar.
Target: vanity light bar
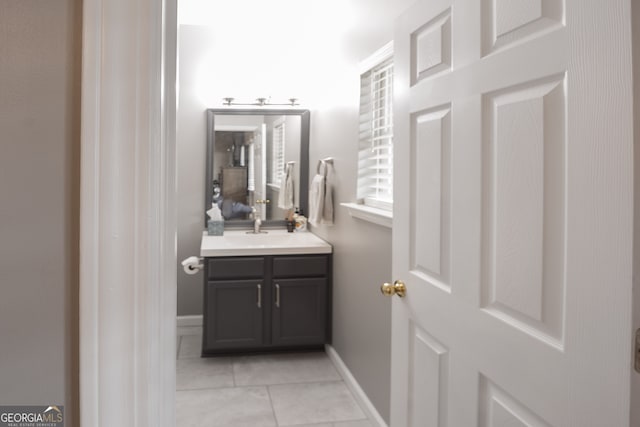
{"x": 260, "y": 102}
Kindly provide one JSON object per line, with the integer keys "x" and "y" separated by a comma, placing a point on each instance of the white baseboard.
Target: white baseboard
{"x": 352, "y": 384}
{"x": 189, "y": 320}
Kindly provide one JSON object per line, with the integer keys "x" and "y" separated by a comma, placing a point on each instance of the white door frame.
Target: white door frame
{"x": 128, "y": 217}
{"x": 128, "y": 214}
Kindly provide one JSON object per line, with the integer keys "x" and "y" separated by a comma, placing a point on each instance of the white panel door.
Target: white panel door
{"x": 512, "y": 219}
{"x": 259, "y": 148}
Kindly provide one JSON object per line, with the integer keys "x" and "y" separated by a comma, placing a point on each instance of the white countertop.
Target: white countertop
{"x": 274, "y": 242}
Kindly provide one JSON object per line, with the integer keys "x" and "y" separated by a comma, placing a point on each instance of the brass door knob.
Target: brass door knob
{"x": 398, "y": 288}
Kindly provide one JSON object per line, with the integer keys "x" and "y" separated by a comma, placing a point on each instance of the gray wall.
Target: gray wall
{"x": 362, "y": 251}
{"x": 40, "y": 46}
{"x": 191, "y": 146}
{"x": 635, "y": 376}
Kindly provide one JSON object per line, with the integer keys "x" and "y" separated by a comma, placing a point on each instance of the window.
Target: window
{"x": 277, "y": 153}
{"x": 375, "y": 154}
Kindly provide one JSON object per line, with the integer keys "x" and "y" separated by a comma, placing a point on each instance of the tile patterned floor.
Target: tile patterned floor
{"x": 296, "y": 390}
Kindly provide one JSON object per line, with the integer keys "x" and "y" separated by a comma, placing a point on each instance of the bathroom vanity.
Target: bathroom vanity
{"x": 266, "y": 292}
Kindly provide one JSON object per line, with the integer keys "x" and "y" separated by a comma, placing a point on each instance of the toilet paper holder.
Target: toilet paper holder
{"x": 192, "y": 265}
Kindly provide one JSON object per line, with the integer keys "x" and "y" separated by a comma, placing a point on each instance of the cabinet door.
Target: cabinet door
{"x": 299, "y": 311}
{"x": 234, "y": 314}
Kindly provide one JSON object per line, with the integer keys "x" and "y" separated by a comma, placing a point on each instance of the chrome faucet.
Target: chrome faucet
{"x": 257, "y": 223}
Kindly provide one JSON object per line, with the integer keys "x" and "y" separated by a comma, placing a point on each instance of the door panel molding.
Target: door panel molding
{"x": 507, "y": 22}
{"x": 524, "y": 191}
{"x": 429, "y": 383}
{"x": 431, "y": 191}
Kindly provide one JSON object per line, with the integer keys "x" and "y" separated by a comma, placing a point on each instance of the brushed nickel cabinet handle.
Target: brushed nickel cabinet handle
{"x": 259, "y": 302}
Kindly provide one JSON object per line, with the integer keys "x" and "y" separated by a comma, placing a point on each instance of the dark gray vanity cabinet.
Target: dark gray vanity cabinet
{"x": 300, "y": 305}
{"x": 263, "y": 303}
{"x": 233, "y": 303}
{"x": 237, "y": 318}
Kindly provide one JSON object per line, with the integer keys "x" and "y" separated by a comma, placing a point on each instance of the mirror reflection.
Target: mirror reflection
{"x": 257, "y": 163}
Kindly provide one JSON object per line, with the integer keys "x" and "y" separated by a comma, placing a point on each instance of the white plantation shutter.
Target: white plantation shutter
{"x": 277, "y": 155}
{"x": 251, "y": 180}
{"x": 375, "y": 158}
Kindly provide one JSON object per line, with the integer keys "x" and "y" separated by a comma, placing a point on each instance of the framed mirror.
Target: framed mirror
{"x": 257, "y": 164}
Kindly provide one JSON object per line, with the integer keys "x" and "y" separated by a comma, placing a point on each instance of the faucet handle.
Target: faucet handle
{"x": 257, "y": 223}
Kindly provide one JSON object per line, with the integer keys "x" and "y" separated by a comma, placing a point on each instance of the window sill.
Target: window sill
{"x": 367, "y": 213}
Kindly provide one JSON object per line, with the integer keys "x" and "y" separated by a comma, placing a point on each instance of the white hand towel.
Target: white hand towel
{"x": 316, "y": 199}
{"x": 321, "y": 199}
{"x": 286, "y": 195}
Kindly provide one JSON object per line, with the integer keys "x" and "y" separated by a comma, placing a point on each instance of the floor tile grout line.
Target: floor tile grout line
{"x": 273, "y": 410}
{"x": 310, "y": 383}
{"x": 206, "y": 388}
{"x": 332, "y": 423}
{"x": 222, "y": 388}
{"x": 293, "y": 383}
{"x": 268, "y": 386}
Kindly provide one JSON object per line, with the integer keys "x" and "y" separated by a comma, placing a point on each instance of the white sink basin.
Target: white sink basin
{"x": 274, "y": 242}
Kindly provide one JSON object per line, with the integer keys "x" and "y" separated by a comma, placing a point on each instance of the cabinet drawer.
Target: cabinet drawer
{"x": 230, "y": 268}
{"x": 300, "y": 266}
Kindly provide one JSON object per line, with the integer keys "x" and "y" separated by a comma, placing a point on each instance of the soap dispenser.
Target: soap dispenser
{"x": 300, "y": 220}
{"x": 215, "y": 225}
